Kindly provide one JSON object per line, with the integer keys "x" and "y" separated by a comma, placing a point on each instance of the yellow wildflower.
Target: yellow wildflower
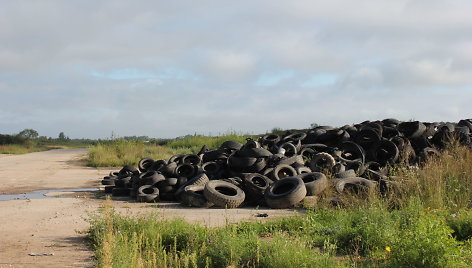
{"x": 388, "y": 249}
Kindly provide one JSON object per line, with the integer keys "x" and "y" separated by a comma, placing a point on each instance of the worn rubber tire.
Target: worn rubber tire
{"x": 192, "y": 196}
{"x": 145, "y": 164}
{"x": 185, "y": 170}
{"x": 254, "y": 185}
{"x": 303, "y": 170}
{"x": 108, "y": 182}
{"x": 285, "y": 193}
{"x": 147, "y": 193}
{"x": 288, "y": 149}
{"x": 357, "y": 183}
{"x": 223, "y": 194}
{"x": 322, "y": 161}
{"x": 281, "y": 171}
{"x": 200, "y": 179}
{"x": 192, "y": 159}
{"x": 315, "y": 182}
{"x": 118, "y": 191}
{"x": 108, "y": 189}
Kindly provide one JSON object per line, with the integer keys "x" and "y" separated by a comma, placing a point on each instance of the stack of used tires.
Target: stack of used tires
{"x": 279, "y": 171}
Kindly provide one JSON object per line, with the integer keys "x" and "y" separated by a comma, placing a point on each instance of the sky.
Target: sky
{"x": 163, "y": 69}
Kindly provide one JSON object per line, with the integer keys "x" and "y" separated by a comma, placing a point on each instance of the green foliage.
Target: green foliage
{"x": 461, "y": 224}
{"x": 122, "y": 152}
{"x": 424, "y": 241}
{"x": 196, "y": 142}
{"x": 28, "y": 134}
{"x": 414, "y": 237}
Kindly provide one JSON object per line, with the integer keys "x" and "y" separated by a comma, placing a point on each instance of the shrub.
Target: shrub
{"x": 423, "y": 241}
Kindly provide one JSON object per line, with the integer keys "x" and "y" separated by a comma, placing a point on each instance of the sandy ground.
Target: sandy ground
{"x": 55, "y": 226}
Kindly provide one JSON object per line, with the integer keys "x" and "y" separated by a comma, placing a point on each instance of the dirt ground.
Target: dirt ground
{"x": 54, "y": 227}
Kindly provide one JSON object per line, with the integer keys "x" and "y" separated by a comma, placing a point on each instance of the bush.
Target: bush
{"x": 424, "y": 241}
{"x": 461, "y": 224}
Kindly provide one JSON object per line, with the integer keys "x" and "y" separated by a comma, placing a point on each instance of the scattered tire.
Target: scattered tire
{"x": 355, "y": 185}
{"x": 285, "y": 193}
{"x": 322, "y": 161}
{"x": 282, "y": 171}
{"x": 223, "y": 194}
{"x": 147, "y": 193}
{"x": 315, "y": 182}
{"x": 118, "y": 191}
{"x": 192, "y": 196}
{"x": 145, "y": 164}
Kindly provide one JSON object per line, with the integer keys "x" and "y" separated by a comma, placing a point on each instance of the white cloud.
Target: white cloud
{"x": 167, "y": 69}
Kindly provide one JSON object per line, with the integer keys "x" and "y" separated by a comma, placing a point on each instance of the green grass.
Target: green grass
{"x": 425, "y": 221}
{"x": 25, "y": 148}
{"x": 195, "y": 143}
{"x": 121, "y": 152}
{"x": 371, "y": 236}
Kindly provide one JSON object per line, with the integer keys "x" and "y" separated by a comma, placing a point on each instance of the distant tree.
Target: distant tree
{"x": 28, "y": 134}
{"x": 62, "y": 136}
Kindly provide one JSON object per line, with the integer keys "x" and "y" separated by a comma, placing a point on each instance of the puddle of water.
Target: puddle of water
{"x": 40, "y": 194}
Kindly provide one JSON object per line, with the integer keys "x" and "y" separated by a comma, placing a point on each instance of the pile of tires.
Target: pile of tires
{"x": 280, "y": 171}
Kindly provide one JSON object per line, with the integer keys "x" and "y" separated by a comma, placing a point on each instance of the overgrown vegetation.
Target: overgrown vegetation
{"x": 28, "y": 141}
{"x": 425, "y": 221}
{"x": 120, "y": 152}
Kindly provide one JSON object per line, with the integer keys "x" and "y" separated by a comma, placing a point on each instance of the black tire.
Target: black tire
{"x": 108, "y": 182}
{"x": 351, "y": 151}
{"x": 151, "y": 177}
{"x": 212, "y": 169}
{"x": 300, "y": 136}
{"x": 128, "y": 171}
{"x": 236, "y": 162}
{"x": 322, "y": 161}
{"x": 292, "y": 160}
{"x": 203, "y": 150}
{"x": 231, "y": 145}
{"x": 302, "y": 170}
{"x": 159, "y": 165}
{"x": 114, "y": 173}
{"x": 223, "y": 194}
{"x": 185, "y": 170}
{"x": 349, "y": 173}
{"x": 307, "y": 153}
{"x": 123, "y": 182}
{"x": 254, "y": 186}
{"x": 282, "y": 171}
{"x": 254, "y": 152}
{"x": 108, "y": 189}
{"x": 269, "y": 139}
{"x": 355, "y": 185}
{"x": 412, "y": 129}
{"x": 145, "y": 164}
{"x": 176, "y": 159}
{"x": 147, "y": 193}
{"x": 118, "y": 191}
{"x": 169, "y": 169}
{"x": 200, "y": 179}
{"x": 192, "y": 159}
{"x": 192, "y": 196}
{"x": 315, "y": 182}
{"x": 285, "y": 193}
{"x": 367, "y": 137}
{"x": 287, "y": 149}
{"x": 386, "y": 152}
